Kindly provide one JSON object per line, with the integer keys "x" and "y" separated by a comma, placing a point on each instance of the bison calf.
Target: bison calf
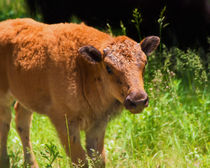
{"x": 72, "y": 73}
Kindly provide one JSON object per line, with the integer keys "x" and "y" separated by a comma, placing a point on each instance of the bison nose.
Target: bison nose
{"x": 132, "y": 102}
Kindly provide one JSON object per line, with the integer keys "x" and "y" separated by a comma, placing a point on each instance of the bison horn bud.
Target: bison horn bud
{"x": 106, "y": 50}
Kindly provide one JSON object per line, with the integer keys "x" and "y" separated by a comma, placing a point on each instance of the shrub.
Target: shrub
{"x": 11, "y": 9}
{"x": 186, "y": 65}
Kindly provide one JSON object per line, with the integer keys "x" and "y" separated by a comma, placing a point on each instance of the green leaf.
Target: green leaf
{"x": 165, "y": 25}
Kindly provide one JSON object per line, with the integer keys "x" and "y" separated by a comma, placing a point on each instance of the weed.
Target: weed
{"x": 95, "y": 159}
{"x": 16, "y": 158}
{"x": 123, "y": 28}
{"x": 162, "y": 25}
{"x": 75, "y": 19}
{"x": 109, "y": 29}
{"x": 69, "y": 140}
{"x": 137, "y": 20}
{"x": 188, "y": 64}
{"x": 50, "y": 153}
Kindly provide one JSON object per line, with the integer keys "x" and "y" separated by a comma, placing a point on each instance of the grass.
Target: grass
{"x": 173, "y": 132}
{"x": 170, "y": 133}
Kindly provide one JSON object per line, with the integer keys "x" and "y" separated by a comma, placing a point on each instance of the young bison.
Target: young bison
{"x": 71, "y": 73}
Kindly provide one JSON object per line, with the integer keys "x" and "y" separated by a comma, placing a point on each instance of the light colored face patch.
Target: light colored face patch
{"x": 124, "y": 53}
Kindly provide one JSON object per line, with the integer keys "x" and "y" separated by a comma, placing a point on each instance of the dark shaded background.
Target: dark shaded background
{"x": 189, "y": 20}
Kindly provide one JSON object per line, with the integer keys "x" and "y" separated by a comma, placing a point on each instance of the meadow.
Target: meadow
{"x": 173, "y": 132}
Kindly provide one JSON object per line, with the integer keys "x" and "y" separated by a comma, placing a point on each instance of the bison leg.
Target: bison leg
{"x": 69, "y": 135}
{"x": 5, "y": 119}
{"x": 23, "y": 119}
{"x": 95, "y": 144}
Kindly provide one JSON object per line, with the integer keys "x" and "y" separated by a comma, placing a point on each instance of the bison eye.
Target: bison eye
{"x": 109, "y": 70}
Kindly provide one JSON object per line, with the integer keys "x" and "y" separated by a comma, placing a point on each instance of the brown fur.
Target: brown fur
{"x": 41, "y": 68}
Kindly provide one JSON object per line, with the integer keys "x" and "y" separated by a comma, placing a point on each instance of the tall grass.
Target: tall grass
{"x": 137, "y": 20}
{"x": 172, "y": 132}
{"x": 162, "y": 25}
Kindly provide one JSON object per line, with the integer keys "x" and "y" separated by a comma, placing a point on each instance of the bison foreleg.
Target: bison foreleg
{"x": 95, "y": 144}
{"x": 69, "y": 134}
{"x": 23, "y": 119}
{"x": 5, "y": 119}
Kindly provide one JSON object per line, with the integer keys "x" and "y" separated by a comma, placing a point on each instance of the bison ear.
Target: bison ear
{"x": 90, "y": 54}
{"x": 149, "y": 44}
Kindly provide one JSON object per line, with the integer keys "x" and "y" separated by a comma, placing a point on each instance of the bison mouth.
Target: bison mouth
{"x": 137, "y": 110}
{"x": 137, "y": 106}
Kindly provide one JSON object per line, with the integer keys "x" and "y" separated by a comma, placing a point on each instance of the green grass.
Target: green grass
{"x": 172, "y": 132}
{"x": 168, "y": 134}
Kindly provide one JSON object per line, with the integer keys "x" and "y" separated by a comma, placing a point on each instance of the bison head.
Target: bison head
{"x": 123, "y": 63}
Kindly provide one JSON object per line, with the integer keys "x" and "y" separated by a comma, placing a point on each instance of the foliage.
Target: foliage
{"x": 137, "y": 20}
{"x": 162, "y": 25}
{"x": 186, "y": 65}
{"x": 11, "y": 9}
{"x": 172, "y": 132}
{"x": 16, "y": 158}
{"x": 50, "y": 153}
{"x": 109, "y": 29}
{"x": 123, "y": 28}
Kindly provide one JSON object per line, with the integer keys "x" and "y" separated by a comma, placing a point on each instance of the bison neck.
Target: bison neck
{"x": 101, "y": 105}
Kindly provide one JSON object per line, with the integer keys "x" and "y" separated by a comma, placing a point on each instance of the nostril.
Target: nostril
{"x": 146, "y": 102}
{"x": 129, "y": 104}
{"x": 134, "y": 101}
{"x": 143, "y": 102}
{"x": 132, "y": 104}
